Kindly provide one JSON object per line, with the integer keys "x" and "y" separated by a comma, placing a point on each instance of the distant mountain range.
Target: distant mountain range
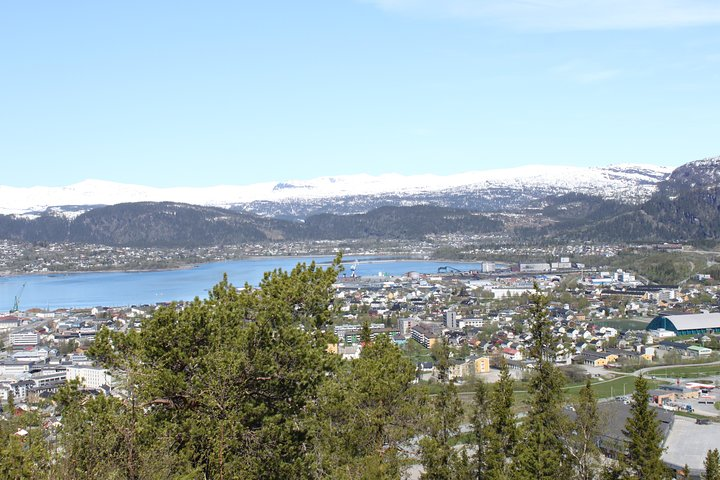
{"x": 491, "y": 190}
{"x": 620, "y": 203}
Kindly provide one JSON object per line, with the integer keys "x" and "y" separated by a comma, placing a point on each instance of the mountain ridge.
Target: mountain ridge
{"x": 683, "y": 205}
{"x": 170, "y": 224}
{"x": 296, "y": 199}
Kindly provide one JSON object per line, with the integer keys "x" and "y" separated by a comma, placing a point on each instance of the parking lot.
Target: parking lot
{"x": 704, "y": 406}
{"x": 688, "y": 442}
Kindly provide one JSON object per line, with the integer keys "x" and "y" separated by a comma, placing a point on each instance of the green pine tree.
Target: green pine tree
{"x": 644, "y": 440}
{"x": 543, "y": 453}
{"x": 439, "y": 458}
{"x": 24, "y": 449}
{"x": 365, "y": 414}
{"x": 583, "y": 436}
{"x": 502, "y": 431}
{"x": 712, "y": 465}
{"x": 11, "y": 403}
{"x": 463, "y": 469}
{"x": 481, "y": 425}
{"x": 365, "y": 334}
{"x": 220, "y": 388}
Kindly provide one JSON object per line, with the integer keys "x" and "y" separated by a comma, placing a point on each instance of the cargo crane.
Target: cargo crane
{"x": 456, "y": 271}
{"x": 448, "y": 269}
{"x": 16, "y": 305}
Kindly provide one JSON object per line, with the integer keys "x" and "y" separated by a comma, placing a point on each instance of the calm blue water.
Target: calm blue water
{"x": 135, "y": 288}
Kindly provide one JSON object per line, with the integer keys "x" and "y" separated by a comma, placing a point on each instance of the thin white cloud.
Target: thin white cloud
{"x": 558, "y": 15}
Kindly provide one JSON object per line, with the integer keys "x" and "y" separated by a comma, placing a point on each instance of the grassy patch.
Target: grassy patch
{"x": 607, "y": 389}
{"x": 693, "y": 415}
{"x": 687, "y": 372}
{"x": 625, "y": 324}
{"x": 623, "y": 385}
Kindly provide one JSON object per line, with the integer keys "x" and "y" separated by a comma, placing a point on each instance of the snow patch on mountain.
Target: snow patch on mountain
{"x": 629, "y": 183}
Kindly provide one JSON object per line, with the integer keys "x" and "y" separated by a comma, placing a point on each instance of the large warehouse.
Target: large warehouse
{"x": 686, "y": 323}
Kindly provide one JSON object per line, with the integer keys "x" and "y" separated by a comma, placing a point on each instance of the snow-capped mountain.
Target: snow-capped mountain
{"x": 700, "y": 173}
{"x": 482, "y": 190}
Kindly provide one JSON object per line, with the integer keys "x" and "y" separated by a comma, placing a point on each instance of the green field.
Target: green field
{"x": 625, "y": 324}
{"x": 624, "y": 385}
{"x": 686, "y": 372}
{"x": 618, "y": 386}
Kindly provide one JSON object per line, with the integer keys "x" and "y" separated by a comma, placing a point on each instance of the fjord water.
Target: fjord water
{"x": 70, "y": 290}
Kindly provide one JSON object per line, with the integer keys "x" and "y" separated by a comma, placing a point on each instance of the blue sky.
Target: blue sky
{"x": 190, "y": 93}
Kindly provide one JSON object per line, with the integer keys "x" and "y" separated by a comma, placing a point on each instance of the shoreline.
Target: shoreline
{"x": 387, "y": 258}
{"x": 83, "y": 272}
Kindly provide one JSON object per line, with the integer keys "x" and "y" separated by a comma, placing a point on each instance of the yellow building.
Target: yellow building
{"x": 598, "y": 359}
{"x": 482, "y": 365}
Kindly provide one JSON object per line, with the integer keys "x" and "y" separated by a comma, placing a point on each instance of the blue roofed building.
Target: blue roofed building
{"x": 686, "y": 323}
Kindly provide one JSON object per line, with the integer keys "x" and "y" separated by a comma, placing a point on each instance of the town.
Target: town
{"x": 41, "y": 257}
{"x": 609, "y": 326}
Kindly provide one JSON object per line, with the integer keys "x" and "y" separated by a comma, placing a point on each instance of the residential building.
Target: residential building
{"x": 451, "y": 319}
{"x": 481, "y": 364}
{"x": 425, "y": 334}
{"x": 512, "y": 354}
{"x": 90, "y": 377}
{"x": 596, "y": 359}
{"x": 24, "y": 339}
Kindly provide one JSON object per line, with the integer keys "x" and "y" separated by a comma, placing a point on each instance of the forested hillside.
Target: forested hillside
{"x": 685, "y": 207}
{"x": 165, "y": 224}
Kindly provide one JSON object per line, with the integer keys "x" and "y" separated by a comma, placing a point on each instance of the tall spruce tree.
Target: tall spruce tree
{"x": 643, "y": 459}
{"x": 543, "y": 451}
{"x": 712, "y": 465}
{"x": 440, "y": 460}
{"x": 582, "y": 439}
{"x": 481, "y": 425}
{"x": 502, "y": 430}
{"x": 463, "y": 469}
{"x": 365, "y": 334}
{"x": 10, "y": 403}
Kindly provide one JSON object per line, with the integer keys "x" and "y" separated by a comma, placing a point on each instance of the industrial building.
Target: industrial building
{"x": 686, "y": 323}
